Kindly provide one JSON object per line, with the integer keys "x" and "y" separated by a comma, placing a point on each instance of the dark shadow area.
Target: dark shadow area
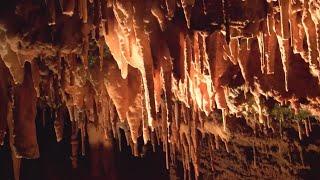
{"x": 55, "y": 164}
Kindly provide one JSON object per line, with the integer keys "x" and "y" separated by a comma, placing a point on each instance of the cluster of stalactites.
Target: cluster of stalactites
{"x": 132, "y": 30}
{"x": 166, "y": 78}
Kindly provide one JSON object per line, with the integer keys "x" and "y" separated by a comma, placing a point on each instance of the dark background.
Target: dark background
{"x": 55, "y": 164}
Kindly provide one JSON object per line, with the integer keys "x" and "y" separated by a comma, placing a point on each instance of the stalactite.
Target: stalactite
{"x": 309, "y": 125}
{"x": 157, "y": 13}
{"x": 284, "y": 19}
{"x": 299, "y": 130}
{"x": 216, "y": 141}
{"x": 84, "y": 10}
{"x": 68, "y": 7}
{"x": 16, "y": 161}
{"x": 224, "y": 119}
{"x": 301, "y": 156}
{"x": 145, "y": 129}
{"x": 113, "y": 119}
{"x": 134, "y": 114}
{"x": 147, "y": 69}
{"x": 234, "y": 49}
{"x": 24, "y": 128}
{"x": 4, "y": 99}
{"x": 74, "y": 144}
{"x": 14, "y": 65}
{"x": 285, "y": 57}
{"x": 226, "y": 18}
{"x": 243, "y": 61}
{"x": 211, "y": 148}
{"x": 306, "y": 127}
{"x": 271, "y": 52}
{"x": 117, "y": 89}
{"x": 36, "y": 77}
{"x": 171, "y": 6}
{"x": 83, "y": 136}
{"x": 226, "y": 146}
{"x": 314, "y": 11}
{"x": 262, "y": 51}
{"x": 310, "y": 31}
{"x": 153, "y": 141}
{"x": 187, "y": 7}
{"x": 280, "y": 125}
{"x": 119, "y": 138}
{"x": 58, "y": 124}
{"x": 51, "y": 12}
{"x": 297, "y": 30}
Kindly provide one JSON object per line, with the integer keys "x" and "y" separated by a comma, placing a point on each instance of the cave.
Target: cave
{"x": 159, "y": 89}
